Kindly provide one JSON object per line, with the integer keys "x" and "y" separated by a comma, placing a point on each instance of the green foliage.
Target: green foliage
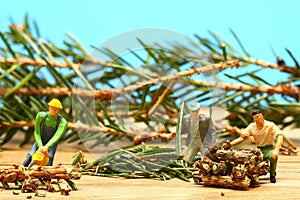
{"x": 139, "y": 162}
{"x": 30, "y": 64}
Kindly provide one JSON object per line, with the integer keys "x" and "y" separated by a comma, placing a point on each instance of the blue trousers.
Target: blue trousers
{"x": 34, "y": 148}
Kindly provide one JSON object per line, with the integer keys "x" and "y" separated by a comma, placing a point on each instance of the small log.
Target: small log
{"x": 239, "y": 172}
{"x": 227, "y": 182}
{"x": 29, "y": 185}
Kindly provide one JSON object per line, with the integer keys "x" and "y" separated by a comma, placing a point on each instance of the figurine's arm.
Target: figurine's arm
{"x": 37, "y": 129}
{"x": 278, "y": 146}
{"x": 210, "y": 137}
{"x": 251, "y": 139}
{"x": 211, "y": 133}
{"x": 237, "y": 141}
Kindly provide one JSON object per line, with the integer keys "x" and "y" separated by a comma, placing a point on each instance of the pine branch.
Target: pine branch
{"x": 56, "y": 91}
{"x": 138, "y": 137}
{"x": 71, "y": 126}
{"x": 283, "y": 68}
{"x": 106, "y": 95}
{"x": 30, "y": 67}
{"x": 178, "y": 75}
{"x": 218, "y": 56}
{"x": 289, "y": 90}
{"x": 36, "y": 62}
{"x": 248, "y": 60}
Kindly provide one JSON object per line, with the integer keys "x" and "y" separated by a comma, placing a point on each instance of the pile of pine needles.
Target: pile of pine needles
{"x": 142, "y": 161}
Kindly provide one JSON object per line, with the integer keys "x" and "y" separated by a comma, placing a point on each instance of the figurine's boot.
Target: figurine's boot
{"x": 273, "y": 179}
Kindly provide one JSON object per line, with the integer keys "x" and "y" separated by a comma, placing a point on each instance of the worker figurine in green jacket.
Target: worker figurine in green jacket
{"x": 48, "y": 130}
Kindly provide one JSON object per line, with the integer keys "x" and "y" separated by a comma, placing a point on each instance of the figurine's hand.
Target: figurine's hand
{"x": 275, "y": 155}
{"x": 44, "y": 150}
{"x": 226, "y": 145}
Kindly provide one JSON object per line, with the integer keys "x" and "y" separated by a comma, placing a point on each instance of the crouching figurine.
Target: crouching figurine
{"x": 49, "y": 128}
{"x": 262, "y": 133}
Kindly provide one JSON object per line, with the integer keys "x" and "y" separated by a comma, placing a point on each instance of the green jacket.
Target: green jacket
{"x": 49, "y": 121}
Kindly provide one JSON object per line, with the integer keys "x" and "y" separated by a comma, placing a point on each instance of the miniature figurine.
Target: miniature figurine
{"x": 263, "y": 133}
{"x": 201, "y": 132}
{"x": 48, "y": 130}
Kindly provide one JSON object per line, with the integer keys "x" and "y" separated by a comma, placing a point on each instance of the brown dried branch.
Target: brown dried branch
{"x": 138, "y": 138}
{"x": 36, "y": 62}
{"x": 42, "y": 91}
{"x": 105, "y": 95}
{"x": 72, "y": 126}
{"x": 62, "y": 91}
{"x": 261, "y": 63}
{"x": 265, "y": 64}
{"x": 154, "y": 136}
{"x": 18, "y": 124}
{"x": 288, "y": 90}
{"x": 39, "y": 62}
{"x": 178, "y": 75}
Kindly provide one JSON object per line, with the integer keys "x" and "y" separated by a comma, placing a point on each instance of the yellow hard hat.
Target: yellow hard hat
{"x": 55, "y": 103}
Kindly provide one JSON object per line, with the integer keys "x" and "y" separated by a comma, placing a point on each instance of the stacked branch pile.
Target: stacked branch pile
{"x": 232, "y": 168}
{"x": 19, "y": 174}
